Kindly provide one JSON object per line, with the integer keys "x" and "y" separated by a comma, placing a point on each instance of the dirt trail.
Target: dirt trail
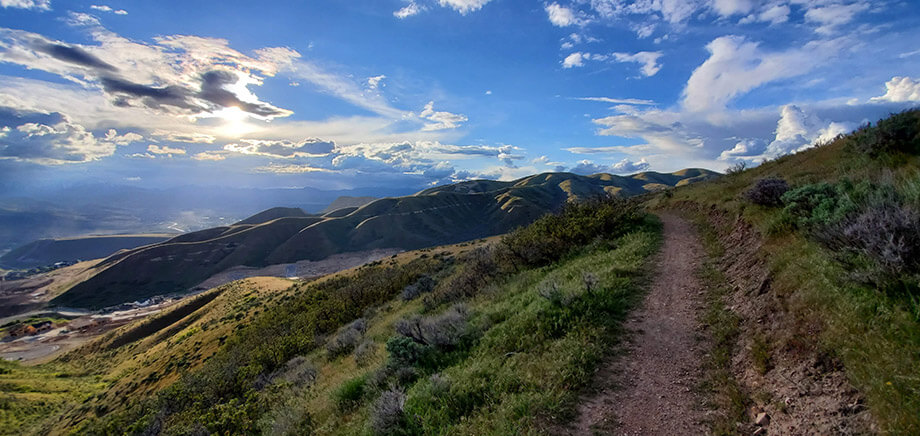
{"x": 649, "y": 391}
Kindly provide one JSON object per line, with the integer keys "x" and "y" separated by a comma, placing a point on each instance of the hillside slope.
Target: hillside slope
{"x": 815, "y": 293}
{"x": 436, "y": 216}
{"x": 49, "y": 251}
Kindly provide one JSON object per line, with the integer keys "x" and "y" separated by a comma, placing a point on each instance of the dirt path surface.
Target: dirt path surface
{"x": 649, "y": 391}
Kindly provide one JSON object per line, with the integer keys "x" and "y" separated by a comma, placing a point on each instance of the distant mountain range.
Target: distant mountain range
{"x": 435, "y": 216}
{"x": 102, "y": 209}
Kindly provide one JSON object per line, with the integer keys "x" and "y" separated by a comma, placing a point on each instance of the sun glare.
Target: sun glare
{"x": 235, "y": 122}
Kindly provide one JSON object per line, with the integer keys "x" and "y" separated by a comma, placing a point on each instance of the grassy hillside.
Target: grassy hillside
{"x": 836, "y": 231}
{"x": 49, "y": 251}
{"x": 436, "y": 216}
{"x": 507, "y": 334}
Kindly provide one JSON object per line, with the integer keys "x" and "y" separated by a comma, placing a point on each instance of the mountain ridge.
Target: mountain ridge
{"x": 434, "y": 216}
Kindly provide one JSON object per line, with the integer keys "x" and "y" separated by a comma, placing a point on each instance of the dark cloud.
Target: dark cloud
{"x": 74, "y": 55}
{"x": 152, "y": 96}
{"x": 282, "y": 148}
{"x": 212, "y": 90}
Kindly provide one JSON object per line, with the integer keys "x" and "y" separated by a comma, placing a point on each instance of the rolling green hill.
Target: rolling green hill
{"x": 49, "y": 251}
{"x": 436, "y": 216}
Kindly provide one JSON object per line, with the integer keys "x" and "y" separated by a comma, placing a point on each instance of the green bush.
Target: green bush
{"x": 897, "y": 133}
{"x": 348, "y": 396}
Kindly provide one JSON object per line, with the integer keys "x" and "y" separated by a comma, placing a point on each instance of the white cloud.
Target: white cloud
{"x": 901, "y": 89}
{"x": 727, "y": 8}
{"x": 574, "y": 60}
{"x": 282, "y": 148}
{"x": 104, "y": 8}
{"x": 177, "y": 75}
{"x": 628, "y": 166}
{"x": 164, "y": 150}
{"x": 464, "y": 6}
{"x": 112, "y": 136}
{"x": 48, "y": 139}
{"x": 648, "y": 59}
{"x": 440, "y": 120}
{"x": 208, "y": 156}
{"x": 736, "y": 66}
{"x": 407, "y": 11}
{"x": 629, "y": 101}
{"x": 561, "y": 16}
{"x": 676, "y": 12}
{"x": 831, "y": 16}
{"x": 44, "y": 5}
{"x": 374, "y": 82}
{"x": 776, "y": 14}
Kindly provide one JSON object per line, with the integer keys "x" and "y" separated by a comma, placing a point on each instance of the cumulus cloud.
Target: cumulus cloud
{"x": 576, "y": 59}
{"x": 901, "y": 89}
{"x": 464, "y": 6}
{"x": 562, "y": 16}
{"x": 648, "y": 59}
{"x": 104, "y": 8}
{"x": 727, "y": 8}
{"x": 625, "y": 166}
{"x": 208, "y": 156}
{"x": 676, "y": 12}
{"x": 774, "y": 14}
{"x": 164, "y": 150}
{"x": 407, "y": 11}
{"x": 628, "y": 166}
{"x": 440, "y": 120}
{"x": 112, "y": 136}
{"x": 49, "y": 139}
{"x": 282, "y": 148}
{"x": 375, "y": 81}
{"x": 43, "y": 5}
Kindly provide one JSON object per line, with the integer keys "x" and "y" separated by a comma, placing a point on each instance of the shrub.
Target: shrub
{"x": 736, "y": 168}
{"x": 423, "y": 285}
{"x": 552, "y": 293}
{"x": 897, "y": 133}
{"x": 404, "y": 351}
{"x": 444, "y": 331}
{"x": 349, "y": 395}
{"x": 552, "y": 237}
{"x": 299, "y": 372}
{"x": 347, "y": 338}
{"x": 814, "y": 205}
{"x": 888, "y": 235}
{"x": 388, "y": 416}
{"x": 343, "y": 342}
{"x": 590, "y": 282}
{"x": 767, "y": 192}
{"x": 365, "y": 352}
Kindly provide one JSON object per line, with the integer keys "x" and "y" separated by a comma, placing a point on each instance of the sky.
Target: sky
{"x": 412, "y": 93}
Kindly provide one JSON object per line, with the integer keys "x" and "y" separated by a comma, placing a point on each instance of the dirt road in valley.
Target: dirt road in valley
{"x": 648, "y": 387}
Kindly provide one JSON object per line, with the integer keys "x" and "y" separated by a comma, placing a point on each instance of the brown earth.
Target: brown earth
{"x": 803, "y": 390}
{"x": 650, "y": 390}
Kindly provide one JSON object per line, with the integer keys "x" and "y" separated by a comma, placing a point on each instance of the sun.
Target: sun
{"x": 235, "y": 122}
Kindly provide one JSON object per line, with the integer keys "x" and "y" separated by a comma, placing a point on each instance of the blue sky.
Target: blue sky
{"x": 344, "y": 94}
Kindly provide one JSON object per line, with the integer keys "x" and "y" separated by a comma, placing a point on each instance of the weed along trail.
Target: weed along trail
{"x": 648, "y": 389}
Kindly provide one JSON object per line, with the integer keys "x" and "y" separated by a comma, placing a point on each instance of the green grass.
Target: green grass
{"x": 875, "y": 335}
{"x": 529, "y": 357}
{"x": 28, "y": 395}
{"x": 725, "y": 395}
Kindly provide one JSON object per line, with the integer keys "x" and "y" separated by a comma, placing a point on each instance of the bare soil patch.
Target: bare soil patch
{"x": 650, "y": 389}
